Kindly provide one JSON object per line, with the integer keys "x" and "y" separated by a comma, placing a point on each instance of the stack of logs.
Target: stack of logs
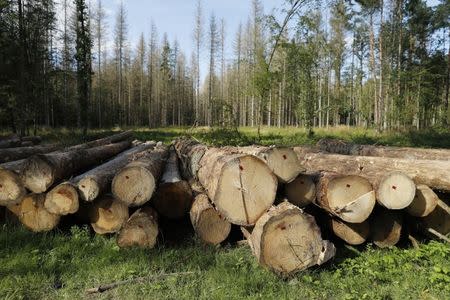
{"x": 283, "y": 199}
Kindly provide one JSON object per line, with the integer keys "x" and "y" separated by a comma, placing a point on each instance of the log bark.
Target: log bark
{"x": 135, "y": 183}
{"x": 141, "y": 229}
{"x": 98, "y": 180}
{"x": 208, "y": 224}
{"x": 33, "y": 215}
{"x": 424, "y": 202}
{"x": 42, "y": 171}
{"x": 112, "y": 139}
{"x": 391, "y": 178}
{"x": 108, "y": 215}
{"x": 301, "y": 191}
{"x": 282, "y": 161}
{"x": 287, "y": 240}
{"x": 351, "y": 233}
{"x": 349, "y": 197}
{"x": 346, "y": 148}
{"x": 241, "y": 186}
{"x": 13, "y": 154}
{"x": 173, "y": 197}
{"x": 386, "y": 226}
{"x": 438, "y": 219}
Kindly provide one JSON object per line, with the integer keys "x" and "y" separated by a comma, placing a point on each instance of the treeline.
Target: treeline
{"x": 374, "y": 63}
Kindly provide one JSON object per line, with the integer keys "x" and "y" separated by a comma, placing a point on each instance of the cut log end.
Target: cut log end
{"x": 133, "y": 185}
{"x": 439, "y": 218}
{"x": 11, "y": 188}
{"x": 246, "y": 189}
{"x": 301, "y": 191}
{"x": 173, "y": 199}
{"x": 108, "y": 215}
{"x": 424, "y": 202}
{"x": 396, "y": 190}
{"x": 351, "y": 233}
{"x": 386, "y": 228}
{"x": 33, "y": 214}
{"x": 62, "y": 200}
{"x": 209, "y": 225}
{"x": 141, "y": 230}
{"x": 88, "y": 189}
{"x": 37, "y": 174}
{"x": 284, "y": 163}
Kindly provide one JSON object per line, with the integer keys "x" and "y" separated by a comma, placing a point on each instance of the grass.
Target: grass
{"x": 63, "y": 263}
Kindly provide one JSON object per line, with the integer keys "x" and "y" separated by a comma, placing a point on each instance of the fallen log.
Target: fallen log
{"x": 13, "y": 154}
{"x": 33, "y": 215}
{"x": 282, "y": 161}
{"x": 438, "y": 219}
{"x": 208, "y": 224}
{"x": 135, "y": 183}
{"x": 424, "y": 202}
{"x": 34, "y": 139}
{"x": 346, "y": 148}
{"x": 349, "y": 197}
{"x": 241, "y": 186}
{"x": 42, "y": 171}
{"x": 108, "y": 215}
{"x": 15, "y": 141}
{"x": 287, "y": 240}
{"x": 140, "y": 230}
{"x": 301, "y": 191}
{"x": 11, "y": 187}
{"x": 112, "y": 139}
{"x": 386, "y": 227}
{"x": 391, "y": 178}
{"x": 351, "y": 233}
{"x": 173, "y": 197}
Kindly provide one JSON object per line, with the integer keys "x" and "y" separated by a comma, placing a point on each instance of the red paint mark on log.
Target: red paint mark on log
{"x": 348, "y": 185}
{"x": 284, "y": 156}
{"x": 83, "y": 186}
{"x": 127, "y": 177}
{"x": 394, "y": 187}
{"x": 241, "y": 168}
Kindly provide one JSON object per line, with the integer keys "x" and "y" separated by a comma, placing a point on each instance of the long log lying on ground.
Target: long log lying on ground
{"x": 208, "y": 224}
{"x": 351, "y": 233}
{"x": 135, "y": 183}
{"x": 140, "y": 230}
{"x": 349, "y": 197}
{"x": 42, "y": 171}
{"x": 424, "y": 202}
{"x": 391, "y": 178}
{"x": 282, "y": 161}
{"x": 12, "y": 154}
{"x": 241, "y": 186}
{"x": 173, "y": 197}
{"x": 346, "y": 148}
{"x": 20, "y": 142}
{"x": 33, "y": 215}
{"x": 301, "y": 191}
{"x": 112, "y": 139}
{"x": 438, "y": 219}
{"x": 108, "y": 215}
{"x": 386, "y": 227}
{"x": 287, "y": 240}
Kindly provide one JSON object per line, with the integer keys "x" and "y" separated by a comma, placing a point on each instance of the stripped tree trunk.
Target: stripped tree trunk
{"x": 108, "y": 215}
{"x": 140, "y": 230}
{"x": 424, "y": 202}
{"x": 135, "y": 183}
{"x": 287, "y": 240}
{"x": 351, "y": 233}
{"x": 42, "y": 171}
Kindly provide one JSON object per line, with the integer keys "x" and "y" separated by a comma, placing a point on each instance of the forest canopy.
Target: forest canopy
{"x": 375, "y": 63}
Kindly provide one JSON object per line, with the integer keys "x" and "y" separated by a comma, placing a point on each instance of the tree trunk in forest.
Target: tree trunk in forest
{"x": 141, "y": 230}
{"x": 12, "y": 154}
{"x": 346, "y": 148}
{"x": 282, "y": 161}
{"x": 135, "y": 183}
{"x": 241, "y": 186}
{"x": 108, "y": 215}
{"x": 97, "y": 181}
{"x": 349, "y": 197}
{"x": 351, "y": 233}
{"x": 173, "y": 197}
{"x": 42, "y": 171}
{"x": 435, "y": 174}
{"x": 287, "y": 240}
{"x": 33, "y": 215}
{"x": 208, "y": 224}
{"x": 424, "y": 202}
{"x": 301, "y": 191}
{"x": 386, "y": 226}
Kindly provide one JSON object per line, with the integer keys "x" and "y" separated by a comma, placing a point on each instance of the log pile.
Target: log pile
{"x": 130, "y": 190}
